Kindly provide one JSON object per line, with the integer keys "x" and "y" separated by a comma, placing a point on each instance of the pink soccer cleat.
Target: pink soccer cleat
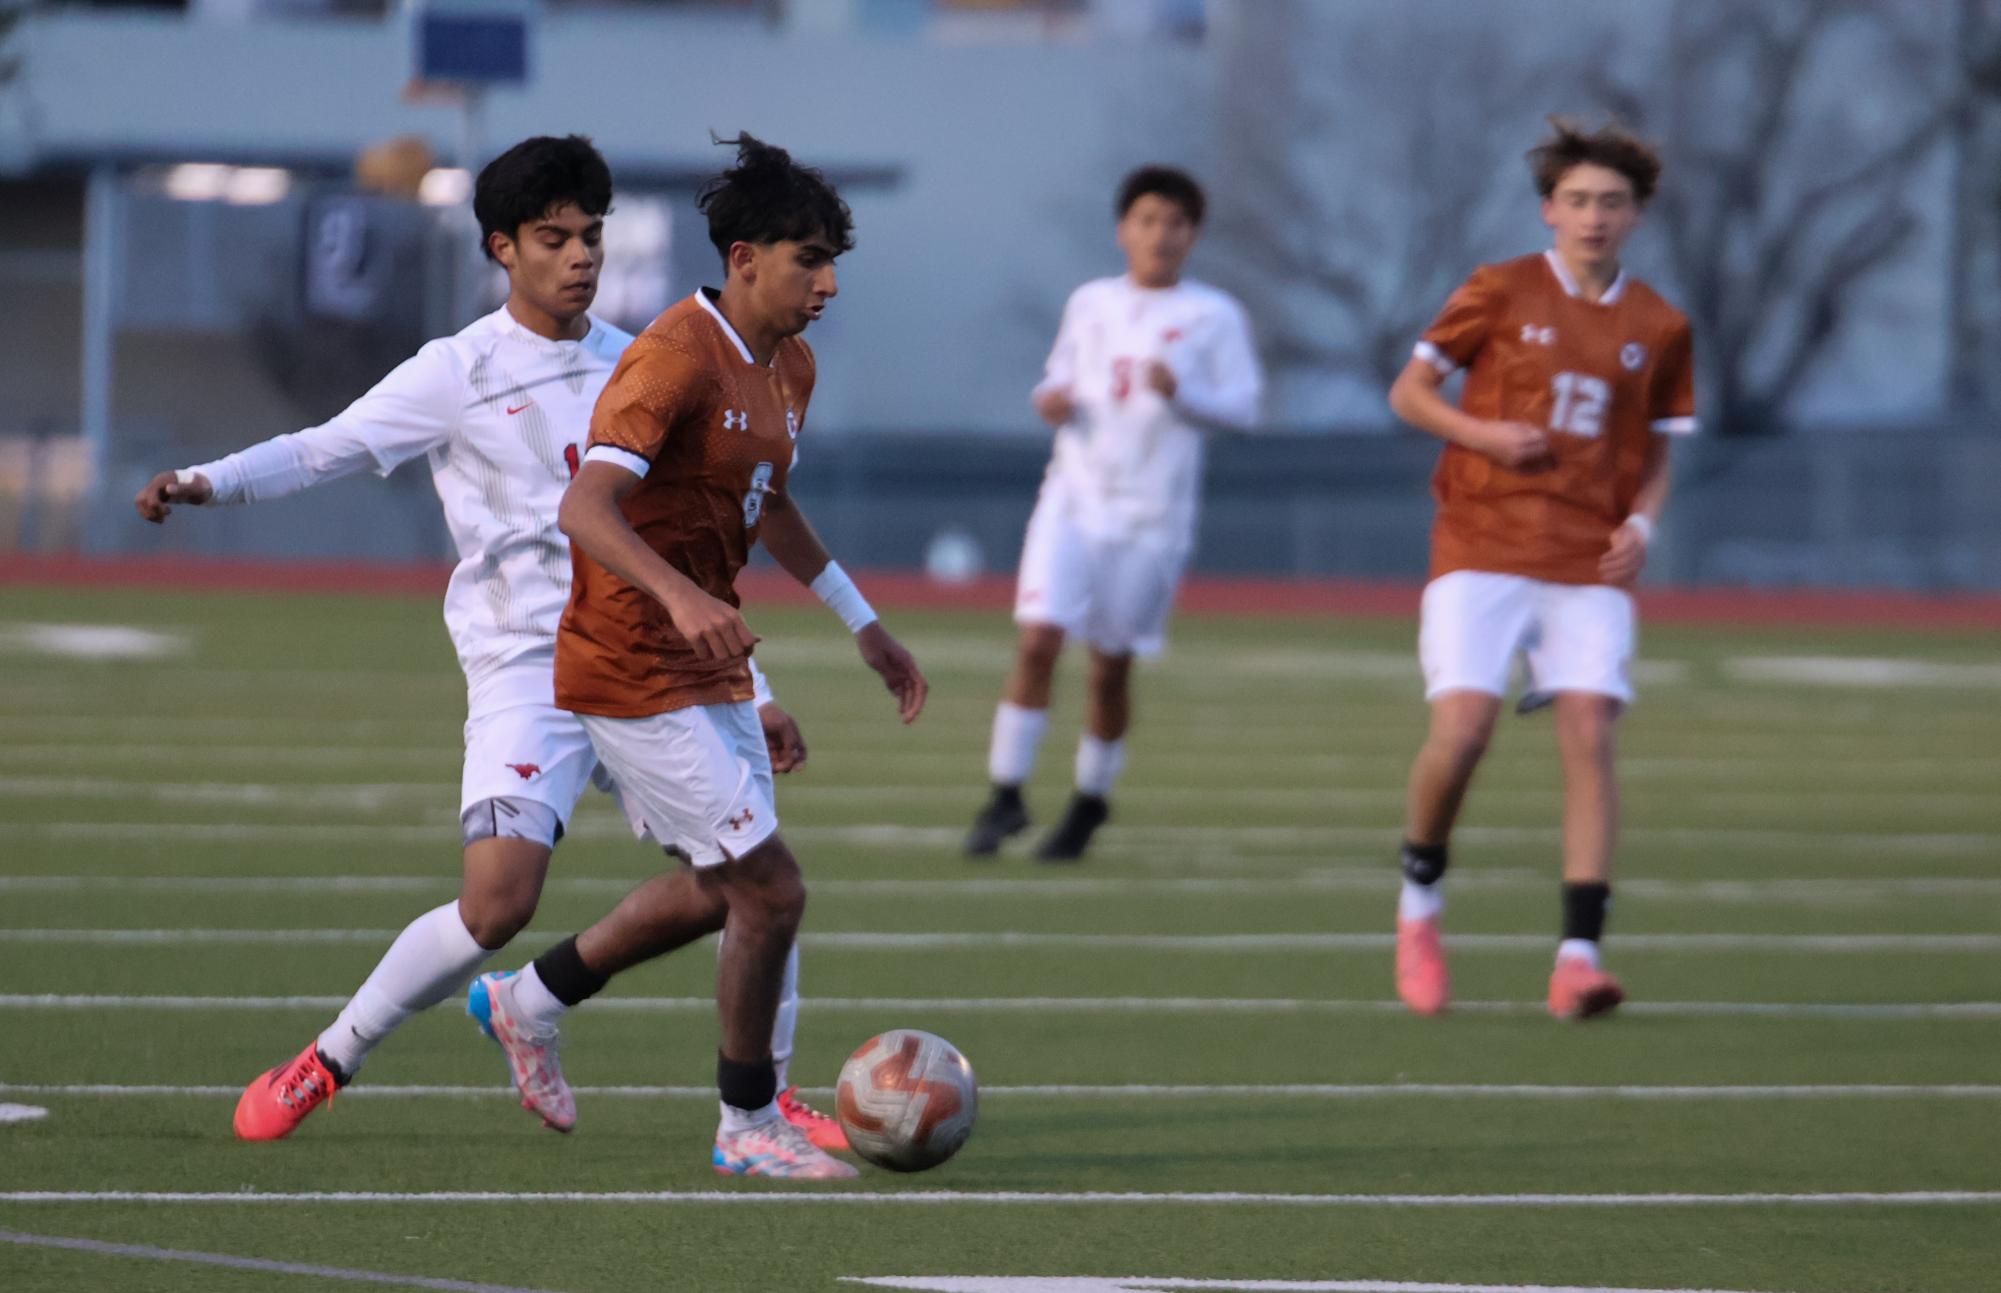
{"x": 1422, "y": 979}
{"x": 1580, "y": 990}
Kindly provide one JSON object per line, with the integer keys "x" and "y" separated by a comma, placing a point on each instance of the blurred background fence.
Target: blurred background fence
{"x": 221, "y": 221}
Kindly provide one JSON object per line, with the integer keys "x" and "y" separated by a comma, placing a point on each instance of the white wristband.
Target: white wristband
{"x": 833, "y": 587}
{"x": 1641, "y": 526}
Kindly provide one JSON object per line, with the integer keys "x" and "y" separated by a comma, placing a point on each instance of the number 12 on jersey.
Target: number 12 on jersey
{"x": 1580, "y": 404}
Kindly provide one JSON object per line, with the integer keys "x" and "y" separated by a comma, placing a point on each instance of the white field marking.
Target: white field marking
{"x": 375, "y": 797}
{"x": 880, "y": 835}
{"x": 921, "y": 941}
{"x": 1862, "y": 671}
{"x": 1825, "y": 891}
{"x": 267, "y": 756}
{"x": 1118, "y": 1091}
{"x": 1165, "y": 1284}
{"x": 1030, "y": 1198}
{"x": 21, "y": 1113}
{"x": 92, "y": 641}
{"x": 147, "y": 1252}
{"x": 1954, "y": 1010}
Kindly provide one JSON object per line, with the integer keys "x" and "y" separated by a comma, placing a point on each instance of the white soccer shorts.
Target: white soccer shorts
{"x": 696, "y": 779}
{"x": 533, "y": 752}
{"x": 1576, "y": 637}
{"x": 1115, "y": 593}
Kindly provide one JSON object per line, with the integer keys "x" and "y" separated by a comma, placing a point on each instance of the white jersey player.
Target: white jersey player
{"x": 500, "y": 411}
{"x": 1145, "y": 366}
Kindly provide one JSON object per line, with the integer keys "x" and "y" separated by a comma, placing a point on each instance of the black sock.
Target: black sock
{"x": 1423, "y": 863}
{"x": 748, "y": 1087}
{"x": 341, "y": 1076}
{"x": 1006, "y": 796}
{"x": 565, "y": 975}
{"x": 1584, "y": 907}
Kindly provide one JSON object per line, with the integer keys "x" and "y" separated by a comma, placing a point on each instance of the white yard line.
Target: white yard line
{"x": 375, "y": 797}
{"x": 147, "y": 1252}
{"x": 1961, "y": 1010}
{"x": 1115, "y": 1091}
{"x": 906, "y": 941}
{"x": 1812, "y": 891}
{"x": 1029, "y": 1198}
{"x": 1833, "y": 840}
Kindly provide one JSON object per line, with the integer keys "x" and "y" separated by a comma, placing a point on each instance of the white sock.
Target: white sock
{"x": 1582, "y": 949}
{"x": 534, "y": 1004}
{"x": 1420, "y": 901}
{"x": 735, "y": 1119}
{"x": 1099, "y": 764}
{"x": 1017, "y": 736}
{"x": 432, "y": 958}
{"x": 786, "y": 1025}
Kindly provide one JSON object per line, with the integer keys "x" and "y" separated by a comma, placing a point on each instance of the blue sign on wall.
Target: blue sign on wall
{"x": 472, "y": 48}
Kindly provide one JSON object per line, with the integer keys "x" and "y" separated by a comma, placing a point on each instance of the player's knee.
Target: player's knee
{"x": 1462, "y": 739}
{"x": 1040, "y": 646}
{"x": 1110, "y": 674}
{"x": 493, "y": 917}
{"x": 1585, "y": 727}
{"x": 767, "y": 887}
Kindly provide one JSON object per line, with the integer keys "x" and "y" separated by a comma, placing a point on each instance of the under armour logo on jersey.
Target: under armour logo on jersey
{"x": 1631, "y": 356}
{"x": 1534, "y": 336}
{"x": 736, "y": 419}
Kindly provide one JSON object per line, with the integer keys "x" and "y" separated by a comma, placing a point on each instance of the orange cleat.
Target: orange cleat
{"x": 275, "y": 1104}
{"x": 823, "y": 1131}
{"x": 1422, "y": 979}
{"x": 1580, "y": 990}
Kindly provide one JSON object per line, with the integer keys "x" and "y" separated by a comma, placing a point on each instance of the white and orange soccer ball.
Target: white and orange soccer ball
{"x": 907, "y": 1100}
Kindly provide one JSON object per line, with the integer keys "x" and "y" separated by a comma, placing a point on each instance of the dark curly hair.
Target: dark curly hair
{"x": 1177, "y": 186}
{"x": 533, "y": 178}
{"x": 1611, "y": 146}
{"x": 767, "y": 197}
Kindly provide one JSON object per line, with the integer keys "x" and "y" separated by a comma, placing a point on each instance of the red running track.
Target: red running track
{"x": 903, "y": 590}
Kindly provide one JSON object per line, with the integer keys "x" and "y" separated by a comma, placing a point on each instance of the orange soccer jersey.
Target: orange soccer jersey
{"x": 1600, "y": 377}
{"x": 711, "y": 432}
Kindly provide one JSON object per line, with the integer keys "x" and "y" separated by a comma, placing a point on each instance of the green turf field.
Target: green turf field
{"x": 1808, "y": 924}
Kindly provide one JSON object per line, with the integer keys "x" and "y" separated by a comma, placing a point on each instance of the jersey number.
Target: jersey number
{"x": 753, "y": 502}
{"x": 570, "y": 459}
{"x": 1580, "y": 404}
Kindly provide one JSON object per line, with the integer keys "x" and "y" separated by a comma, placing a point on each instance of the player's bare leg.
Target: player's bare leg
{"x": 1101, "y": 756}
{"x": 430, "y": 960}
{"x": 766, "y": 898}
{"x": 1462, "y": 724}
{"x": 1019, "y": 725}
{"x": 1586, "y": 729}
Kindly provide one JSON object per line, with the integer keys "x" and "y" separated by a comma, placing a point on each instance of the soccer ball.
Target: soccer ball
{"x": 907, "y": 1100}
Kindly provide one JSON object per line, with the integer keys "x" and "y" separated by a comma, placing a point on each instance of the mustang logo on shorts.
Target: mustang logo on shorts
{"x": 526, "y": 771}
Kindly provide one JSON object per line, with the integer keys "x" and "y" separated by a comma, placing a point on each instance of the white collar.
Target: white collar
{"x": 702, "y": 295}
{"x": 508, "y": 323}
{"x": 1570, "y": 288}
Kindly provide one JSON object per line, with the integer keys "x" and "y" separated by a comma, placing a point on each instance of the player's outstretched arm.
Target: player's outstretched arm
{"x": 789, "y": 537}
{"x": 1416, "y": 398}
{"x": 591, "y": 518}
{"x": 411, "y": 411}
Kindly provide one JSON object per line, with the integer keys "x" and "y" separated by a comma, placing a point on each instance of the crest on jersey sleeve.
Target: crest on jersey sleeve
{"x": 792, "y": 423}
{"x": 1631, "y": 356}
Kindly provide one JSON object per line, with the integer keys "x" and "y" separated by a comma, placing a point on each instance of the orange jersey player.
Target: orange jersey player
{"x": 1551, "y": 482}
{"x": 690, "y": 450}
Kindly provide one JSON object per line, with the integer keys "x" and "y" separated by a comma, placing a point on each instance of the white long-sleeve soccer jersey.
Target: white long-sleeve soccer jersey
{"x": 1129, "y": 463}
{"x": 503, "y": 415}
